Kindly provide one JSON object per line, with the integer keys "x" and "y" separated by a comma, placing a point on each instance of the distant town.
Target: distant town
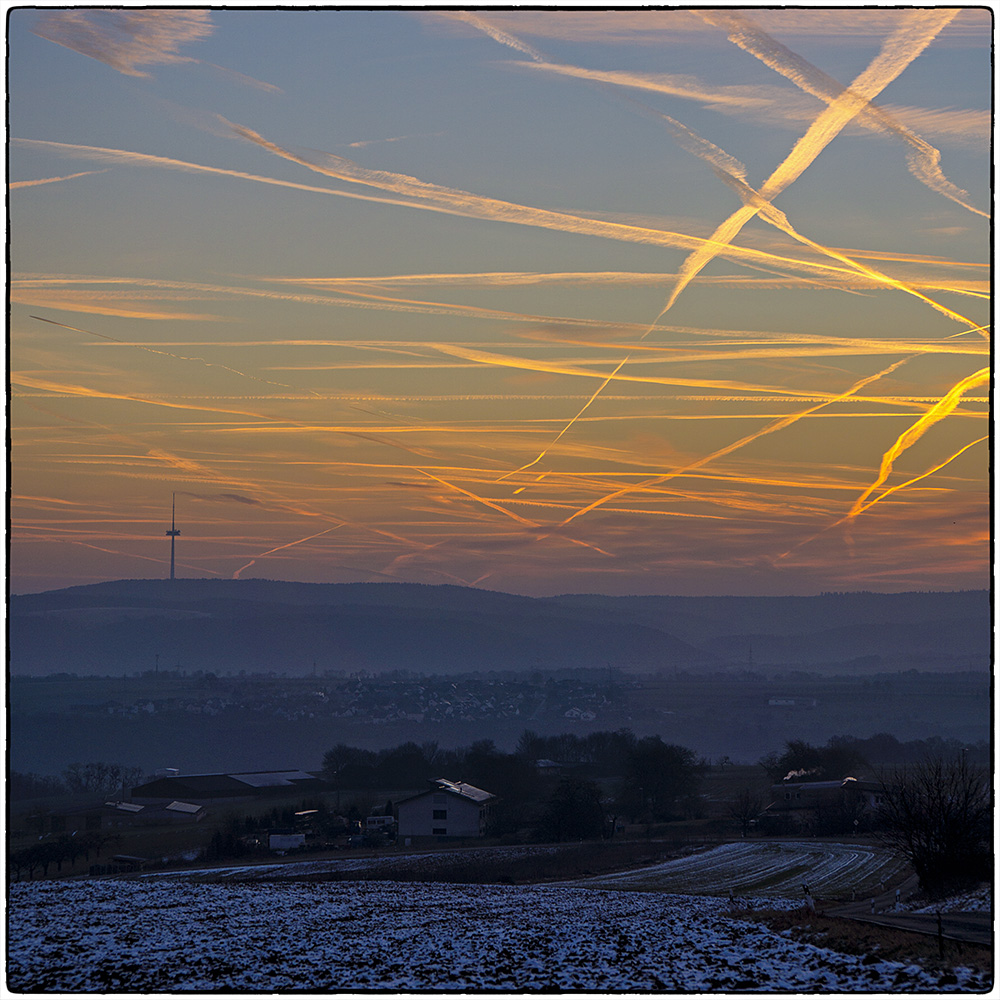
{"x": 379, "y": 699}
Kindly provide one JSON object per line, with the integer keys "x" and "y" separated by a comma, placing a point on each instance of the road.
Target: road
{"x": 974, "y": 927}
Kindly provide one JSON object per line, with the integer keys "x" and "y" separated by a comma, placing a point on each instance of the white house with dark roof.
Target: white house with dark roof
{"x": 446, "y": 809}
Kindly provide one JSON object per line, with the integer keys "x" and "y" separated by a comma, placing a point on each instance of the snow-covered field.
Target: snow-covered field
{"x": 164, "y": 934}
{"x": 767, "y": 868}
{"x": 975, "y": 901}
{"x": 425, "y": 865}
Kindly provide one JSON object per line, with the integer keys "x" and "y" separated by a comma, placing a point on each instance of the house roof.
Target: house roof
{"x": 822, "y": 786}
{"x": 184, "y": 807}
{"x": 129, "y": 807}
{"x": 197, "y": 786}
{"x": 460, "y": 788}
{"x": 269, "y": 779}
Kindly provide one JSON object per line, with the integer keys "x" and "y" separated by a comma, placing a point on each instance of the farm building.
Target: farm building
{"x": 108, "y": 815}
{"x": 813, "y": 804}
{"x": 202, "y": 788}
{"x": 446, "y": 809}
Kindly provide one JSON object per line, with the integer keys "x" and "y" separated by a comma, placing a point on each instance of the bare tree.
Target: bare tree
{"x": 938, "y": 815}
{"x": 745, "y": 809}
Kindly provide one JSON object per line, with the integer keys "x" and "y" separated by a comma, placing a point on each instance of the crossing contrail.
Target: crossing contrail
{"x": 924, "y": 159}
{"x": 904, "y": 45}
{"x": 912, "y": 434}
{"x": 775, "y": 425}
{"x": 885, "y": 493}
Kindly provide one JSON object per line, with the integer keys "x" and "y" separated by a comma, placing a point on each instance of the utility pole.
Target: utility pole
{"x": 173, "y": 532}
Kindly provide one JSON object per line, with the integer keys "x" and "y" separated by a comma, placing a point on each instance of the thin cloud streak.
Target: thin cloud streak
{"x": 15, "y": 185}
{"x": 774, "y": 106}
{"x": 168, "y": 354}
{"x": 127, "y": 39}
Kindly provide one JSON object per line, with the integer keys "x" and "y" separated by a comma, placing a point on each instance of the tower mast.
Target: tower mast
{"x": 173, "y": 532}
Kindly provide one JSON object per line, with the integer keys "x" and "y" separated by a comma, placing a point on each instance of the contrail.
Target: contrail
{"x": 733, "y": 174}
{"x": 912, "y": 434}
{"x": 776, "y": 425}
{"x": 454, "y": 201}
{"x": 168, "y": 354}
{"x": 896, "y": 53}
{"x": 773, "y": 105}
{"x": 115, "y": 552}
{"x": 923, "y": 475}
{"x": 905, "y": 44}
{"x": 884, "y": 494}
{"x": 924, "y": 159}
{"x": 585, "y": 279}
{"x": 194, "y": 468}
{"x": 533, "y": 525}
{"x": 53, "y": 180}
{"x": 551, "y": 367}
{"x": 497, "y": 35}
{"x": 287, "y": 545}
{"x": 446, "y": 200}
{"x": 355, "y": 298}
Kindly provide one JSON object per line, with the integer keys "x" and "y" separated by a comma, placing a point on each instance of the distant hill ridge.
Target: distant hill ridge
{"x": 266, "y": 625}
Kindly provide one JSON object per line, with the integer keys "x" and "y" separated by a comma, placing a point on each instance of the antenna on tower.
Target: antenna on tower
{"x": 173, "y": 532}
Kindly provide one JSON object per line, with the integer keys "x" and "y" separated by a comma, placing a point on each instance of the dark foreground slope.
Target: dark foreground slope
{"x": 227, "y": 626}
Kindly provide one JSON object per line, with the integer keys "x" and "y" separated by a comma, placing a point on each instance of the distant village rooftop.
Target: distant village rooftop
{"x": 196, "y": 787}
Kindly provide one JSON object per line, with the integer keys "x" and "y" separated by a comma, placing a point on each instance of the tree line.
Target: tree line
{"x": 94, "y": 778}
{"x": 606, "y": 776}
{"x": 849, "y": 755}
{"x": 39, "y": 857}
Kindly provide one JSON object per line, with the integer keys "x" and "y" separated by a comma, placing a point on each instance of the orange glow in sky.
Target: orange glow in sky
{"x": 541, "y": 301}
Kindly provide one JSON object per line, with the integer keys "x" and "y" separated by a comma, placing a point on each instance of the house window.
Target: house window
{"x": 440, "y": 814}
{"x": 439, "y": 831}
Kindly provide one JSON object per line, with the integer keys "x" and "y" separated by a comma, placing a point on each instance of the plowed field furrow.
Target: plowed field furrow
{"x": 774, "y": 869}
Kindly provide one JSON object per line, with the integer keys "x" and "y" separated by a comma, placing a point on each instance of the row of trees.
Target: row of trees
{"x": 642, "y": 779}
{"x": 848, "y": 755}
{"x": 94, "y": 778}
{"x": 39, "y": 857}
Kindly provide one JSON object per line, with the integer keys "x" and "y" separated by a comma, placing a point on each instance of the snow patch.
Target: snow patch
{"x": 163, "y": 934}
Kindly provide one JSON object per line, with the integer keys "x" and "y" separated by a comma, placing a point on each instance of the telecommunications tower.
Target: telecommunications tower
{"x": 173, "y": 532}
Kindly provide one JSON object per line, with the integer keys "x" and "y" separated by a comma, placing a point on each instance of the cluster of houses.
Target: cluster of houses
{"x": 380, "y": 699}
{"x": 446, "y": 810}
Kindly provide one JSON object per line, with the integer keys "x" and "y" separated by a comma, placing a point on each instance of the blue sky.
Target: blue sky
{"x": 537, "y": 301}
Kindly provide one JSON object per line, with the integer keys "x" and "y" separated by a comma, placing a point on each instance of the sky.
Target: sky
{"x": 622, "y": 302}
